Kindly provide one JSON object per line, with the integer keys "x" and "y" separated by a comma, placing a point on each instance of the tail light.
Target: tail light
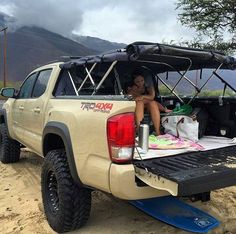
{"x": 120, "y": 136}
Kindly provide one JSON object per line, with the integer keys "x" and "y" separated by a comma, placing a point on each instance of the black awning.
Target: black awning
{"x": 103, "y": 58}
{"x": 176, "y": 57}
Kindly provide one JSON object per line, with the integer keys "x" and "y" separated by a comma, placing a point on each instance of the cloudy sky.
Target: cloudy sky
{"x": 119, "y": 21}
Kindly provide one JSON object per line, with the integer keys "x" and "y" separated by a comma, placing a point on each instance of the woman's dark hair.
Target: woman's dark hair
{"x": 137, "y": 72}
{"x": 127, "y": 85}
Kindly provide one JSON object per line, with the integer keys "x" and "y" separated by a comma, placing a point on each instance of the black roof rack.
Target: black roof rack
{"x": 67, "y": 58}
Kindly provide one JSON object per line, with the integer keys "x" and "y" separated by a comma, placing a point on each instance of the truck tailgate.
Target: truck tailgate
{"x": 190, "y": 173}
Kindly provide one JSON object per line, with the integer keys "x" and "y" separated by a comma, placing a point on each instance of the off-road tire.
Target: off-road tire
{"x": 9, "y": 148}
{"x": 66, "y": 205}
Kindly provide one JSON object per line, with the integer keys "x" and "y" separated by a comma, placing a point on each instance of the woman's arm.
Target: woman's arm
{"x": 151, "y": 94}
{"x": 133, "y": 90}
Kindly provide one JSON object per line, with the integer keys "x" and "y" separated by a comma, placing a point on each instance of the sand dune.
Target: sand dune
{"x": 21, "y": 209}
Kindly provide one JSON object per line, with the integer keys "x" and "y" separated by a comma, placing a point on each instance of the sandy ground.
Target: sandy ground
{"x": 21, "y": 209}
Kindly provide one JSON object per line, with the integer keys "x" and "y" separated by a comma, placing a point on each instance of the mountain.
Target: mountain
{"x": 97, "y": 43}
{"x": 29, "y": 47}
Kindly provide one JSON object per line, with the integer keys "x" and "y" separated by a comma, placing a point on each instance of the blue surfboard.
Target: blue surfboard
{"x": 177, "y": 213}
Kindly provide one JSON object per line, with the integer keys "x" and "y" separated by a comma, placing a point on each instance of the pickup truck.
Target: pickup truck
{"x": 75, "y": 114}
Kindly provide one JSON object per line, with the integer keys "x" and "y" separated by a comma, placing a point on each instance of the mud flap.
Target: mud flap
{"x": 157, "y": 182}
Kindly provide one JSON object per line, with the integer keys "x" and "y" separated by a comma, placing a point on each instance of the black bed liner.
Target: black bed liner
{"x": 196, "y": 172}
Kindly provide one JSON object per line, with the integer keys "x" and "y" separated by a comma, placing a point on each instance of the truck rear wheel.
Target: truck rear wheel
{"x": 9, "y": 148}
{"x": 66, "y": 205}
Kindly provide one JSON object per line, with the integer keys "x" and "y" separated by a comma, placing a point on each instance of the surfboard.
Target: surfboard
{"x": 177, "y": 213}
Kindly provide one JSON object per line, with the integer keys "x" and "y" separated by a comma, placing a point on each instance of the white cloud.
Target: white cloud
{"x": 59, "y": 16}
{"x": 120, "y": 21}
{"x": 154, "y": 22}
{"x": 7, "y": 9}
{"x": 108, "y": 23}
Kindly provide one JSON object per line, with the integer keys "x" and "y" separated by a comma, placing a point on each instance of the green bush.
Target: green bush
{"x": 164, "y": 91}
{"x": 13, "y": 84}
{"x": 216, "y": 93}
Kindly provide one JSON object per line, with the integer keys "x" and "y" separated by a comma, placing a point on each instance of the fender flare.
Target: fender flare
{"x": 3, "y": 119}
{"x": 62, "y": 131}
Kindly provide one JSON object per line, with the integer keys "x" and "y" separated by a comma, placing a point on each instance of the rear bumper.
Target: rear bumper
{"x": 123, "y": 185}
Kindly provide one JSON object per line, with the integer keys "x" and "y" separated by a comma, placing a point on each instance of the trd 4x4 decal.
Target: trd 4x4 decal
{"x": 97, "y": 107}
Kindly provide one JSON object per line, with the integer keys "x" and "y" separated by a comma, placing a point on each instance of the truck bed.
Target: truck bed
{"x": 194, "y": 172}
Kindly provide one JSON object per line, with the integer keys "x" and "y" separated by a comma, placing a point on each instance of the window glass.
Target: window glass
{"x": 209, "y": 87}
{"x": 41, "y": 83}
{"x": 64, "y": 85}
{"x": 215, "y": 86}
{"x": 27, "y": 87}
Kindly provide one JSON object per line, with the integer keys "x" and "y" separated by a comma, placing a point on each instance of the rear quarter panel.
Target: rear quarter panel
{"x": 88, "y": 133}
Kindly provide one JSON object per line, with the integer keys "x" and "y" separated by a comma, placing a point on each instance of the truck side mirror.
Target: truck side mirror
{"x": 8, "y": 92}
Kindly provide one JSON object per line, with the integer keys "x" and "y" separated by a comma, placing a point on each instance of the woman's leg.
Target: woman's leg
{"x": 139, "y": 112}
{"x": 162, "y": 108}
{"x": 155, "y": 115}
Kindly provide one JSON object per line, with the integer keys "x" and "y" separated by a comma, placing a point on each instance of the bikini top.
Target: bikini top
{"x": 145, "y": 91}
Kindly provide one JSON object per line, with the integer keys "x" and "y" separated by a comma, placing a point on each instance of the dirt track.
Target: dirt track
{"x": 21, "y": 209}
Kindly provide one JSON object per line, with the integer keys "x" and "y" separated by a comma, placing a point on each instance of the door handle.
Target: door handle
{"x": 37, "y": 110}
{"x": 21, "y": 107}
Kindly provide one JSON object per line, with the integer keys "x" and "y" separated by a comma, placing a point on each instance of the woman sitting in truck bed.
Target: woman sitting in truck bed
{"x": 144, "y": 94}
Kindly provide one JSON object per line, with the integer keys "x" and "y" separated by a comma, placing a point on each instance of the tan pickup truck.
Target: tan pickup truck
{"x": 75, "y": 114}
